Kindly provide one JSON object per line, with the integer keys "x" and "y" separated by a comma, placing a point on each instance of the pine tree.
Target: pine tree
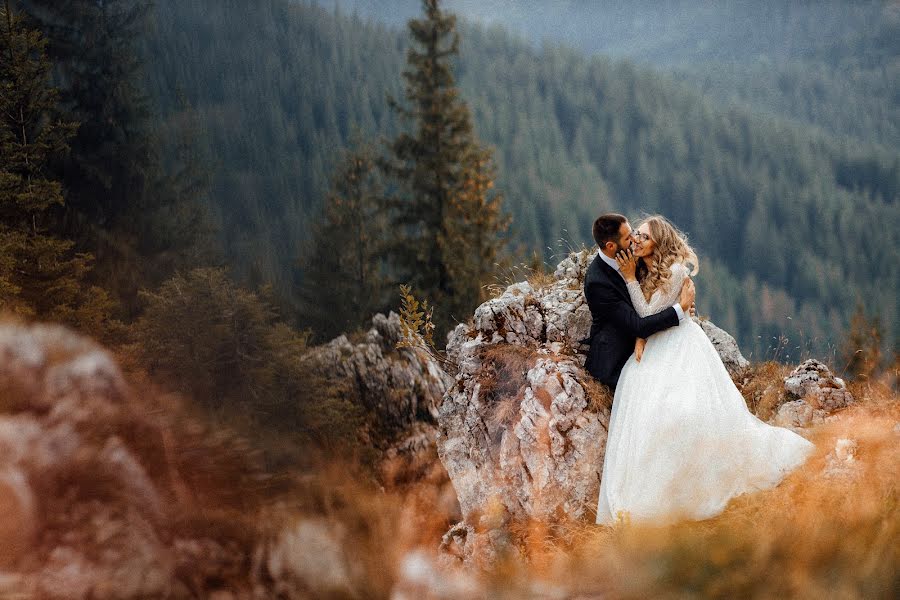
{"x": 141, "y": 223}
{"x": 342, "y": 283}
{"x": 446, "y": 228}
{"x": 39, "y": 274}
{"x": 91, "y": 44}
{"x": 226, "y": 348}
{"x": 471, "y": 245}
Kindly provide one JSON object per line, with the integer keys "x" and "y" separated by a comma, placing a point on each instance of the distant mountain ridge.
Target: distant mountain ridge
{"x": 833, "y": 64}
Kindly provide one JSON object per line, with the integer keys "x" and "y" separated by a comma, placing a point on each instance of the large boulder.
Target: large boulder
{"x": 523, "y": 426}
{"x": 727, "y": 348}
{"x": 401, "y": 387}
{"x": 67, "y": 472}
{"x": 108, "y": 491}
{"x": 814, "y": 383}
{"x": 539, "y": 452}
{"x": 812, "y": 393}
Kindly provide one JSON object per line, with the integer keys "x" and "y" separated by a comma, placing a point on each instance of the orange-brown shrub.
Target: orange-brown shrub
{"x": 763, "y": 388}
{"x": 599, "y": 396}
{"x": 502, "y": 377}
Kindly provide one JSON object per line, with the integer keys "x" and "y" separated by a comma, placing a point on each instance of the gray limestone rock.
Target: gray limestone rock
{"x": 520, "y": 435}
{"x": 422, "y": 575}
{"x": 813, "y": 382}
{"x": 310, "y": 557}
{"x": 726, "y": 346}
{"x": 514, "y": 317}
{"x": 797, "y": 414}
{"x": 397, "y": 385}
{"x": 813, "y": 394}
{"x": 538, "y": 454}
{"x": 842, "y": 461}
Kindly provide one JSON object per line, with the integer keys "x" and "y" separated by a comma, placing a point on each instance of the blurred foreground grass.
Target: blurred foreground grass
{"x": 831, "y": 529}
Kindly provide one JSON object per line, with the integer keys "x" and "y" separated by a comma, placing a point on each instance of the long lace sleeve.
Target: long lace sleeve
{"x": 661, "y": 299}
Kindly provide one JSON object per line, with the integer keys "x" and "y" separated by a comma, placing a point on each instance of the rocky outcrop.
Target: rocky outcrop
{"x": 518, "y": 428}
{"x": 812, "y": 394}
{"x": 69, "y": 474}
{"x": 523, "y": 427}
{"x": 111, "y": 493}
{"x": 400, "y": 387}
{"x": 814, "y": 383}
{"x": 538, "y": 453}
{"x": 727, "y": 348}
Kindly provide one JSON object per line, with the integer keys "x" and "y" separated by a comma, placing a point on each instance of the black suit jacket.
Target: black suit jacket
{"x": 615, "y": 325}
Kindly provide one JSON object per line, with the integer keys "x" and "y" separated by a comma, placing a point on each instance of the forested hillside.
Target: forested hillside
{"x": 793, "y": 225}
{"x": 832, "y": 64}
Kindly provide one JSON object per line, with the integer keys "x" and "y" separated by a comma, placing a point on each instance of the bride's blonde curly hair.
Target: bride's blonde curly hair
{"x": 671, "y": 247}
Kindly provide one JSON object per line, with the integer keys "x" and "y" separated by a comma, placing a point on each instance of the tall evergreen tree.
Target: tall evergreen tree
{"x": 39, "y": 274}
{"x": 471, "y": 246}
{"x": 120, "y": 203}
{"x": 442, "y": 206}
{"x": 92, "y": 47}
{"x": 342, "y": 283}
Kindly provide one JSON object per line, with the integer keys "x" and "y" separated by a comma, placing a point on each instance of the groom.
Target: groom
{"x": 616, "y": 325}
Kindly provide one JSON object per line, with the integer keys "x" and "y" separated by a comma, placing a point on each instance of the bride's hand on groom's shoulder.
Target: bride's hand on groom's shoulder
{"x": 627, "y": 264}
{"x": 688, "y": 294}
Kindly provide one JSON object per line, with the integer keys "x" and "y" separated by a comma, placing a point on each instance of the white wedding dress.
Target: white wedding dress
{"x": 682, "y": 442}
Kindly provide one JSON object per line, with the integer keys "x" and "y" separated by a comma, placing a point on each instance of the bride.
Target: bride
{"x": 681, "y": 441}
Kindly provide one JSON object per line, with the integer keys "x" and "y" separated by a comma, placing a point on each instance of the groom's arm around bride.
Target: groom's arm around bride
{"x": 615, "y": 323}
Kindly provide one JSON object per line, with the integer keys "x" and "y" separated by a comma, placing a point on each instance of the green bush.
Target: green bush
{"x": 227, "y": 349}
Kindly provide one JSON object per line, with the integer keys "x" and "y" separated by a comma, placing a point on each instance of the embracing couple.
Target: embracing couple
{"x": 681, "y": 441}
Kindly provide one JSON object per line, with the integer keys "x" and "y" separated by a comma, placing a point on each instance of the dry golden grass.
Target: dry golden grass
{"x": 540, "y": 279}
{"x": 502, "y": 378}
{"x": 535, "y": 274}
{"x": 600, "y": 397}
{"x": 813, "y": 536}
{"x": 763, "y": 388}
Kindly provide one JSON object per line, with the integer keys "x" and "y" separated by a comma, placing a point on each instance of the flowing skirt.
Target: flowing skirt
{"x": 682, "y": 441}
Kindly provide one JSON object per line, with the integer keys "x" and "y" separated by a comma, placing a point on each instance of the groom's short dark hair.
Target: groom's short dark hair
{"x": 606, "y": 228}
